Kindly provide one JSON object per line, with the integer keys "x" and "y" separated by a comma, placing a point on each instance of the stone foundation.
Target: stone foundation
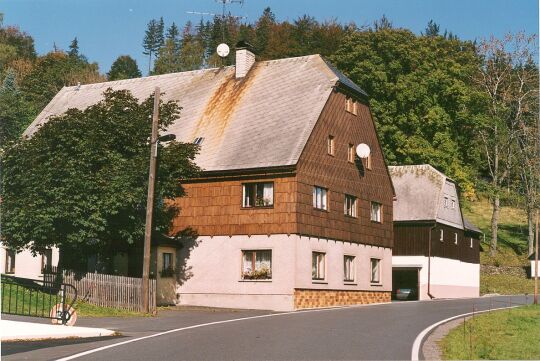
{"x": 310, "y": 298}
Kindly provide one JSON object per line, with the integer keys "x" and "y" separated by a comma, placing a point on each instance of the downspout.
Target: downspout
{"x": 429, "y": 263}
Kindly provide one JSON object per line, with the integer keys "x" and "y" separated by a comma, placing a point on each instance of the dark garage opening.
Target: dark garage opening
{"x": 405, "y": 284}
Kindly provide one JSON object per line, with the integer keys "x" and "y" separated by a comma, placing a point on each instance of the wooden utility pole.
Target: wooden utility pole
{"x": 150, "y": 204}
{"x": 536, "y": 264}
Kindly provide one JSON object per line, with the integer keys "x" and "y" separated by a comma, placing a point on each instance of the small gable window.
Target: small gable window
{"x": 351, "y": 106}
{"x": 453, "y": 204}
{"x": 258, "y": 195}
{"x": 351, "y": 154}
{"x": 445, "y": 202}
{"x": 376, "y": 212}
{"x": 331, "y": 146}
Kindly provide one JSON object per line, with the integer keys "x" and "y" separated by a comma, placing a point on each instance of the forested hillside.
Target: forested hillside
{"x": 470, "y": 109}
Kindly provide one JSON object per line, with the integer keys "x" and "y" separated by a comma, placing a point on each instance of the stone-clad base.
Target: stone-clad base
{"x": 310, "y": 298}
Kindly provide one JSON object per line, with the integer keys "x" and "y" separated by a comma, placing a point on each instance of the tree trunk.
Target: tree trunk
{"x": 530, "y": 224}
{"x": 494, "y": 223}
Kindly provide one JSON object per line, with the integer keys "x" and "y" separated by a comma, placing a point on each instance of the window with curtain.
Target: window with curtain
{"x": 257, "y": 264}
{"x": 318, "y": 265}
{"x": 320, "y": 198}
{"x": 350, "y": 205}
{"x": 10, "y": 261}
{"x": 376, "y": 212}
{"x": 348, "y": 268}
{"x": 375, "y": 270}
{"x": 167, "y": 261}
{"x": 258, "y": 195}
{"x": 46, "y": 260}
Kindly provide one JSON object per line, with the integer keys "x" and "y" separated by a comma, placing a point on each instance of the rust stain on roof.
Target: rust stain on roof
{"x": 218, "y": 112}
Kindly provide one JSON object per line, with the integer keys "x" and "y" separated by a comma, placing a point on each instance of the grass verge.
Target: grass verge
{"x": 505, "y": 284}
{"x": 499, "y": 335}
{"x": 32, "y": 302}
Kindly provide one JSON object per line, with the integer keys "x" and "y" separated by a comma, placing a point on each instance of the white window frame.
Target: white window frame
{"x": 378, "y": 215}
{"x": 331, "y": 145}
{"x": 471, "y": 244}
{"x": 46, "y": 259}
{"x": 318, "y": 266}
{"x": 455, "y": 238}
{"x": 265, "y": 273}
{"x": 351, "y": 276}
{"x": 441, "y": 238}
{"x": 351, "y": 155}
{"x": 9, "y": 262}
{"x": 374, "y": 280}
{"x": 320, "y": 198}
{"x": 453, "y": 204}
{"x": 352, "y": 210}
{"x": 264, "y": 202}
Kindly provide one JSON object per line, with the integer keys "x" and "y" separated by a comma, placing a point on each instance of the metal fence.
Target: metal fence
{"x": 38, "y": 298}
{"x": 112, "y": 291}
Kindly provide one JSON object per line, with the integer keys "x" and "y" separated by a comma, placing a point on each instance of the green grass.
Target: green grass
{"x": 18, "y": 300}
{"x": 512, "y": 237}
{"x": 498, "y": 335}
{"x": 512, "y": 247}
{"x": 505, "y": 284}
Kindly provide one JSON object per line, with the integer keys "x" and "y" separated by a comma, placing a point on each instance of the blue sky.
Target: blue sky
{"x": 109, "y": 28}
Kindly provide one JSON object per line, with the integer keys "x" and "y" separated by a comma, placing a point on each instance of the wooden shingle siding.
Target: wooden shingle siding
{"x": 412, "y": 239}
{"x": 341, "y": 177}
{"x": 215, "y": 208}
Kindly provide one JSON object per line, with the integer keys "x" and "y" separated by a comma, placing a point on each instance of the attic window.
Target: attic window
{"x": 351, "y": 154}
{"x": 331, "y": 147}
{"x": 453, "y": 204}
{"x": 351, "y": 106}
{"x": 445, "y": 202}
{"x": 198, "y": 140}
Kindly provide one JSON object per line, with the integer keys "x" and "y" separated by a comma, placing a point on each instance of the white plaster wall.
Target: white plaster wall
{"x": 335, "y": 251}
{"x": 449, "y": 278}
{"x": 27, "y": 265}
{"x": 533, "y": 268}
{"x": 212, "y": 273}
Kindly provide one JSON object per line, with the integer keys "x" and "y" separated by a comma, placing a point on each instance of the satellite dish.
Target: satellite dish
{"x": 362, "y": 150}
{"x": 223, "y": 50}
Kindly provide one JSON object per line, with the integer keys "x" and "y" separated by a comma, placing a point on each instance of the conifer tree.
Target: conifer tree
{"x": 74, "y": 48}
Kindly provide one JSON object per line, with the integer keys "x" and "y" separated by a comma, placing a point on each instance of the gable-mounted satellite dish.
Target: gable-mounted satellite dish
{"x": 223, "y": 50}
{"x": 363, "y": 150}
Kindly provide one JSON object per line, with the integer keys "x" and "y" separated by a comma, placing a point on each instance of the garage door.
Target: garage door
{"x": 405, "y": 284}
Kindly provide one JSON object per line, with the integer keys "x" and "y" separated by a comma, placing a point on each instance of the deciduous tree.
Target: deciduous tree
{"x": 80, "y": 182}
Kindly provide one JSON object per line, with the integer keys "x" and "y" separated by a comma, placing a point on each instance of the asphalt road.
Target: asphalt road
{"x": 373, "y": 332}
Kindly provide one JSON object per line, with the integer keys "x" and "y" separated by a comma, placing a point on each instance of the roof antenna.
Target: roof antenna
{"x": 222, "y": 49}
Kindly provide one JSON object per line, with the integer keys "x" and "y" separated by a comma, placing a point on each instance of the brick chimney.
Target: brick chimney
{"x": 245, "y": 58}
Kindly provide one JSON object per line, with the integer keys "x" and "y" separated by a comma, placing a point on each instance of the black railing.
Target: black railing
{"x": 38, "y": 298}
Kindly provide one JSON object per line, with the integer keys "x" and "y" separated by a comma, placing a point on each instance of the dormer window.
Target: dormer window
{"x": 198, "y": 140}
{"x": 331, "y": 146}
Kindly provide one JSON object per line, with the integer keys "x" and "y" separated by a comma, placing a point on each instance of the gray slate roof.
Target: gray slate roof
{"x": 262, "y": 120}
{"x": 470, "y": 226}
{"x": 418, "y": 189}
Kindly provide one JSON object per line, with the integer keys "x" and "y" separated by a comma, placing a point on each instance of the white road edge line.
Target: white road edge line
{"x": 415, "y": 353}
{"x": 88, "y": 352}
